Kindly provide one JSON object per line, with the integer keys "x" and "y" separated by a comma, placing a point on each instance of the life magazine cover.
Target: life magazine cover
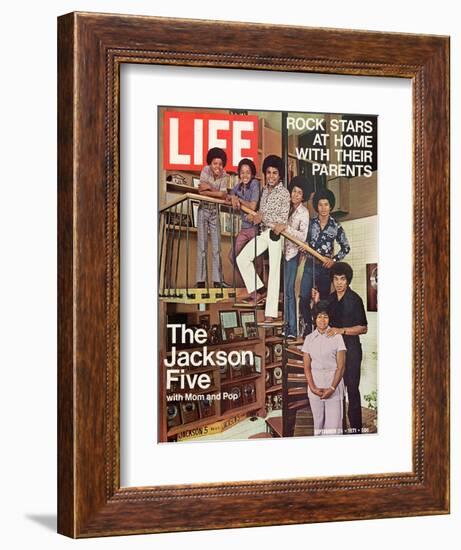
{"x": 267, "y": 274}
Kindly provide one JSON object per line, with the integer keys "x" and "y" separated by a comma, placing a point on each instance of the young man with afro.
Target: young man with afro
{"x": 273, "y": 216}
{"x": 213, "y": 183}
{"x": 324, "y": 230}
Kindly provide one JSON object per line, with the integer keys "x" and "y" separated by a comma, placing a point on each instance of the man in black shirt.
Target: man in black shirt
{"x": 347, "y": 317}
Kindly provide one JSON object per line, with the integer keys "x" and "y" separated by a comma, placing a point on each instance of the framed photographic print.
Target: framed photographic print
{"x": 252, "y": 330}
{"x": 204, "y": 321}
{"x": 372, "y": 287}
{"x": 257, "y": 362}
{"x": 246, "y": 318}
{"x": 363, "y": 119}
{"x": 228, "y": 320}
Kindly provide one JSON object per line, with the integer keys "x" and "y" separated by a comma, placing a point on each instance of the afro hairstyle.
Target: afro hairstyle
{"x": 304, "y": 184}
{"x": 321, "y": 307}
{"x": 273, "y": 161}
{"x": 216, "y": 153}
{"x": 342, "y": 268}
{"x": 247, "y": 162}
{"x": 324, "y": 194}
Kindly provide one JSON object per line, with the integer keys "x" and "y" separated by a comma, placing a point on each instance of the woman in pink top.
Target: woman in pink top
{"x": 324, "y": 365}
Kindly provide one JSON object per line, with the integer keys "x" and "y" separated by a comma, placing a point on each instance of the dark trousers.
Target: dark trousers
{"x": 290, "y": 271}
{"x": 352, "y": 382}
{"x": 322, "y": 283}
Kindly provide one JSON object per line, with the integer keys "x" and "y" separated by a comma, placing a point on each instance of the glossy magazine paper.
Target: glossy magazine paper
{"x": 267, "y": 274}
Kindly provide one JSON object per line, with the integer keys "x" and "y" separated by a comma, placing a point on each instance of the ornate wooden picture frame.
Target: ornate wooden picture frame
{"x": 92, "y": 48}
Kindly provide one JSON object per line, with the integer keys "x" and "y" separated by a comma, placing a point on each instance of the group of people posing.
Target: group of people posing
{"x": 277, "y": 219}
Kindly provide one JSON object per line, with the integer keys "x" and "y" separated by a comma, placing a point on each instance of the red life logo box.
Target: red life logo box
{"x": 188, "y": 137}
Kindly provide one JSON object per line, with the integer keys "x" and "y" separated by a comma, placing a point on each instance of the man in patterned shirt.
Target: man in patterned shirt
{"x": 324, "y": 230}
{"x": 273, "y": 216}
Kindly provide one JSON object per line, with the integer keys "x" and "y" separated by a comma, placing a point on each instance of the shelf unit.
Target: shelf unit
{"x": 240, "y": 380}
{"x": 219, "y": 385}
{"x": 273, "y": 365}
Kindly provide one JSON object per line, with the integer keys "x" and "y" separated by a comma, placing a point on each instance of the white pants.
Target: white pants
{"x": 328, "y": 415}
{"x": 245, "y": 262}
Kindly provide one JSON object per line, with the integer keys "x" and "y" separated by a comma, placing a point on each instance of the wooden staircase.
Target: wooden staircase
{"x": 201, "y": 295}
{"x": 294, "y": 396}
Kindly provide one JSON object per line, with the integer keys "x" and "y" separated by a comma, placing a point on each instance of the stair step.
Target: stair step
{"x": 295, "y": 377}
{"x": 295, "y": 351}
{"x": 304, "y": 423}
{"x": 275, "y": 424}
{"x": 297, "y": 382}
{"x": 199, "y": 295}
{"x": 296, "y": 391}
{"x": 300, "y": 404}
{"x": 295, "y": 364}
{"x": 261, "y": 435}
{"x": 298, "y": 386}
{"x": 273, "y": 365}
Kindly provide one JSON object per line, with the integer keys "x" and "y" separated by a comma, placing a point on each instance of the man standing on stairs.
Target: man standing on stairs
{"x": 245, "y": 193}
{"x": 324, "y": 230}
{"x": 273, "y": 216}
{"x": 213, "y": 183}
{"x": 347, "y": 317}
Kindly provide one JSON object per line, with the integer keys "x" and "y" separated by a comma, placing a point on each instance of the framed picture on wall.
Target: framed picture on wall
{"x": 247, "y": 318}
{"x": 326, "y": 91}
{"x": 229, "y": 321}
{"x": 372, "y": 287}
